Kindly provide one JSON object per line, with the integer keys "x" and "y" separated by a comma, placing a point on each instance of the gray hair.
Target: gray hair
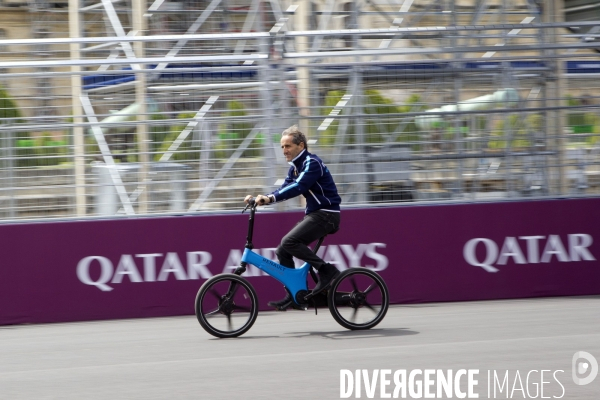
{"x": 297, "y": 136}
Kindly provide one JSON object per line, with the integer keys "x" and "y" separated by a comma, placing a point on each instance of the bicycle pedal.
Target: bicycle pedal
{"x": 323, "y": 290}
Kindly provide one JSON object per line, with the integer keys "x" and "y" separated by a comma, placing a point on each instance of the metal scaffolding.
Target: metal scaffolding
{"x": 177, "y": 106}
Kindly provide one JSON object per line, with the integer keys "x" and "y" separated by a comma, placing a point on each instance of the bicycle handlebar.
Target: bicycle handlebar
{"x": 252, "y": 204}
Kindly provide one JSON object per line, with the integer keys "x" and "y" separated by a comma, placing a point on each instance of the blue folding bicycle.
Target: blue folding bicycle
{"x": 227, "y": 306}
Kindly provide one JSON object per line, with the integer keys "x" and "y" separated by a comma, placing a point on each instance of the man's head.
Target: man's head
{"x": 292, "y": 142}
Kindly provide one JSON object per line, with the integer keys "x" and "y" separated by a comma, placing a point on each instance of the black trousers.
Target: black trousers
{"x": 312, "y": 227}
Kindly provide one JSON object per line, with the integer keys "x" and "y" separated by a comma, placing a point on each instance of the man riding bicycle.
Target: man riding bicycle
{"x": 308, "y": 176}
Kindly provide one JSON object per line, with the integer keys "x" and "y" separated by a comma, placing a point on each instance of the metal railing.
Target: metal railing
{"x": 180, "y": 111}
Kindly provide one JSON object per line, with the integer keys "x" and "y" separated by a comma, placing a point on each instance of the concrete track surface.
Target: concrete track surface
{"x": 297, "y": 355}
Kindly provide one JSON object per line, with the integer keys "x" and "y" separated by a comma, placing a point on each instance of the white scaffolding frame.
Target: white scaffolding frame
{"x": 280, "y": 57}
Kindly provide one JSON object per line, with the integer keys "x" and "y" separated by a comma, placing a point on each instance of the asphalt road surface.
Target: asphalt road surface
{"x": 515, "y": 347}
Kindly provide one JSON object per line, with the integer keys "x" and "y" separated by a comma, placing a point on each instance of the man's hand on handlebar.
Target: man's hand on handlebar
{"x": 260, "y": 199}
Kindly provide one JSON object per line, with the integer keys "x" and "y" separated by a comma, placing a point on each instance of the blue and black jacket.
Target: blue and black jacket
{"x": 308, "y": 176}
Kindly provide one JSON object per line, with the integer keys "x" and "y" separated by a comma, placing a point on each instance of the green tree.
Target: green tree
{"x": 383, "y": 118}
{"x": 579, "y": 121}
{"x": 232, "y": 133}
{"x": 186, "y": 151}
{"x": 9, "y": 112}
{"x": 519, "y": 128}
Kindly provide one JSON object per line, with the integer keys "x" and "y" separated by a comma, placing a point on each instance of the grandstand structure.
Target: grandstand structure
{"x": 113, "y": 108}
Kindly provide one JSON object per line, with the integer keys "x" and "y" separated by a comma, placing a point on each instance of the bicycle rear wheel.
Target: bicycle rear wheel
{"x": 226, "y": 306}
{"x": 358, "y": 299}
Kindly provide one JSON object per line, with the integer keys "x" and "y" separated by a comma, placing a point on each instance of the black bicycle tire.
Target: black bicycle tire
{"x": 333, "y": 308}
{"x": 200, "y": 297}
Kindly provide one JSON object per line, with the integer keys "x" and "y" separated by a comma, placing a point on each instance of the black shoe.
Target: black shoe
{"x": 327, "y": 273}
{"x": 284, "y": 304}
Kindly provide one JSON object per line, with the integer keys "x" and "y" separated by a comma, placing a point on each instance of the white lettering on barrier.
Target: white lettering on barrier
{"x": 578, "y": 250}
{"x": 511, "y": 249}
{"x": 532, "y": 248}
{"x": 334, "y": 256}
{"x": 172, "y": 265}
{"x": 331, "y": 254}
{"x": 197, "y": 263}
{"x": 354, "y": 255}
{"x": 149, "y": 265}
{"x": 491, "y": 251}
{"x": 106, "y": 271}
{"x": 126, "y": 267}
{"x": 382, "y": 261}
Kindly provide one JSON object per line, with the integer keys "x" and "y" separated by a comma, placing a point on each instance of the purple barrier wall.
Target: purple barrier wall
{"x": 73, "y": 271}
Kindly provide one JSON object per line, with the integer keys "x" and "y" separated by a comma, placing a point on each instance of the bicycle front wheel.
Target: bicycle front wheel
{"x": 226, "y": 306}
{"x": 358, "y": 299}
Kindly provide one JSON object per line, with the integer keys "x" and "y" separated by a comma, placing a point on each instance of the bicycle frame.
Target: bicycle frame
{"x": 294, "y": 279}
